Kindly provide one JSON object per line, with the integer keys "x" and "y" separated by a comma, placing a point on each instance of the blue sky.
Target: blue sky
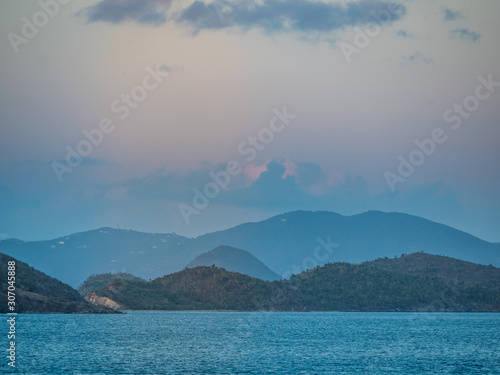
{"x": 194, "y": 116}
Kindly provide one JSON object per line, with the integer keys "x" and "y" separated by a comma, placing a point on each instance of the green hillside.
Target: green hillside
{"x": 35, "y": 292}
{"x": 441, "y": 266}
{"x": 96, "y": 282}
{"x": 333, "y": 287}
{"x": 200, "y": 288}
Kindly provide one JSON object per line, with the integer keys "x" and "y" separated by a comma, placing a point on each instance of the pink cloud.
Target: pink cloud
{"x": 252, "y": 172}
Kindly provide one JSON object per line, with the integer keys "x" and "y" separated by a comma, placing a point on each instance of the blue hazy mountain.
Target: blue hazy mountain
{"x": 234, "y": 260}
{"x": 298, "y": 240}
{"x": 75, "y": 257}
{"x": 287, "y": 243}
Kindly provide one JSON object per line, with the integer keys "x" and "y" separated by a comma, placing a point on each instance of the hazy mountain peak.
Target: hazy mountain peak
{"x": 234, "y": 260}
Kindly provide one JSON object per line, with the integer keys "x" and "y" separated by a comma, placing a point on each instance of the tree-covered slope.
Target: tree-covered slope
{"x": 200, "y": 288}
{"x": 333, "y": 287}
{"x": 441, "y": 266}
{"x": 38, "y": 293}
{"x": 348, "y": 287}
{"x": 96, "y": 282}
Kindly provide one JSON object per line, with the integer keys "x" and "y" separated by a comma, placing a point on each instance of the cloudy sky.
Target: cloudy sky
{"x": 194, "y": 116}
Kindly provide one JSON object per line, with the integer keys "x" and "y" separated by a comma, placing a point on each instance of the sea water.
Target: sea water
{"x": 256, "y": 343}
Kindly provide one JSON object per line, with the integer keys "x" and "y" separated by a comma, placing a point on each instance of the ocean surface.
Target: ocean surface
{"x": 256, "y": 343}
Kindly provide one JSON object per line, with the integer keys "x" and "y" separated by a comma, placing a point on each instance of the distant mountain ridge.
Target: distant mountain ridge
{"x": 74, "y": 257}
{"x": 284, "y": 241}
{"x": 234, "y": 260}
{"x": 381, "y": 285}
{"x": 286, "y": 244}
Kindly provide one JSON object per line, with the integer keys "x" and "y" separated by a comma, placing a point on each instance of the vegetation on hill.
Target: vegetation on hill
{"x": 333, "y": 287}
{"x": 423, "y": 264}
{"x": 348, "y": 287}
{"x": 96, "y": 282}
{"x": 36, "y": 292}
{"x": 200, "y": 288}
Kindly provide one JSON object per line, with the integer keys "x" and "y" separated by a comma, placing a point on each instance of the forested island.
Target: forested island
{"x": 415, "y": 282}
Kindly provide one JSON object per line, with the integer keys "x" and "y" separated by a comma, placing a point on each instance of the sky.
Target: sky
{"x": 195, "y": 116}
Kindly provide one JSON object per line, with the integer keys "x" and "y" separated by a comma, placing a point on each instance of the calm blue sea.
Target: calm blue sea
{"x": 256, "y": 343}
